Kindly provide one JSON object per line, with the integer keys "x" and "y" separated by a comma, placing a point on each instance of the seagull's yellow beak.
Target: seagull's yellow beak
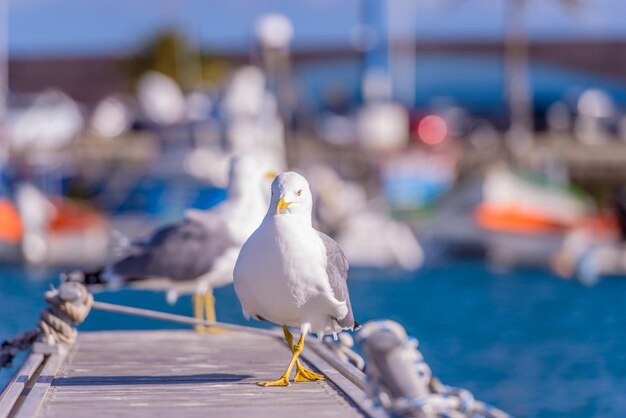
{"x": 270, "y": 175}
{"x": 281, "y": 205}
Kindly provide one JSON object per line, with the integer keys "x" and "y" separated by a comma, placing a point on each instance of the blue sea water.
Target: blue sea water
{"x": 524, "y": 341}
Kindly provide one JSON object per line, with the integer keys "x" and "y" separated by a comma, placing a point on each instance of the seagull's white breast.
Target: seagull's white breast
{"x": 281, "y": 276}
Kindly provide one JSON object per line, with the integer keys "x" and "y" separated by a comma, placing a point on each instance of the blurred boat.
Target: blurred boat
{"x": 10, "y": 231}
{"x": 511, "y": 218}
{"x": 59, "y": 232}
{"x": 368, "y": 235}
{"x": 524, "y": 216}
{"x": 113, "y": 116}
{"x": 48, "y": 122}
{"x": 596, "y": 248}
{"x": 526, "y": 203}
{"x": 373, "y": 239}
{"x": 161, "y": 99}
{"x": 415, "y": 180}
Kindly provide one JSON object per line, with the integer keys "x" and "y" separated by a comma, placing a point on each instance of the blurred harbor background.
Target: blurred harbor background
{"x": 468, "y": 155}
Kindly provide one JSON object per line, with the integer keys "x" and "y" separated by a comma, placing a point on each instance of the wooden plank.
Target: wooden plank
{"x": 36, "y": 394}
{"x": 16, "y": 386}
{"x": 185, "y": 374}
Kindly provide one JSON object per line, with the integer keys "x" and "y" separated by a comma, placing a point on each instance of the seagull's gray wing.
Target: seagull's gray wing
{"x": 337, "y": 271}
{"x": 181, "y": 251}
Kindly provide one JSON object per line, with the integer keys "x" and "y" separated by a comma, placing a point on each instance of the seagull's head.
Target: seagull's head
{"x": 245, "y": 175}
{"x": 291, "y": 195}
{"x": 242, "y": 167}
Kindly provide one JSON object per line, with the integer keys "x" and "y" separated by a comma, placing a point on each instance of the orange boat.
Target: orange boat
{"x": 513, "y": 219}
{"x": 11, "y": 229}
{"x": 71, "y": 216}
{"x": 526, "y": 203}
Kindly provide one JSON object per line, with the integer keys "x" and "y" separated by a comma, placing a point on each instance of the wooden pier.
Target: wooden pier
{"x": 182, "y": 374}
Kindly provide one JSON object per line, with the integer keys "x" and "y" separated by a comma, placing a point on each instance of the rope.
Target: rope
{"x": 342, "y": 347}
{"x": 181, "y": 319}
{"x": 10, "y": 348}
{"x": 68, "y": 305}
{"x": 401, "y": 381}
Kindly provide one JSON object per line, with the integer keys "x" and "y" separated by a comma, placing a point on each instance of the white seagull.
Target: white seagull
{"x": 197, "y": 253}
{"x": 292, "y": 275}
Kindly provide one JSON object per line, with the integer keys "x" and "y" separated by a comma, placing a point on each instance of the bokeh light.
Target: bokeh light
{"x": 432, "y": 130}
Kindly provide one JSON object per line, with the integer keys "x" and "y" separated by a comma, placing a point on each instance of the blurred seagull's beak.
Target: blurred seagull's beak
{"x": 270, "y": 175}
{"x": 282, "y": 205}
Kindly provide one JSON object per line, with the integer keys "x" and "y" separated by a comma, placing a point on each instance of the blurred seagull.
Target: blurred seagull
{"x": 197, "y": 253}
{"x": 291, "y": 274}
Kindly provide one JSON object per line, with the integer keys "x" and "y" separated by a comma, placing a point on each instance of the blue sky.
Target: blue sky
{"x": 61, "y": 27}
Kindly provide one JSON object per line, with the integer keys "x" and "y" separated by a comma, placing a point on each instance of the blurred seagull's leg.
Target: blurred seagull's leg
{"x": 209, "y": 306}
{"x": 198, "y": 312}
{"x": 209, "y": 312}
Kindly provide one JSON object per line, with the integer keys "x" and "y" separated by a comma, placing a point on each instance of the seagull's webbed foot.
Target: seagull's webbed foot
{"x": 305, "y": 375}
{"x": 283, "y": 381}
{"x": 213, "y": 331}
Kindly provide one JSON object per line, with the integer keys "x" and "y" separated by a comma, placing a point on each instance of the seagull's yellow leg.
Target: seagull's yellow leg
{"x": 302, "y": 373}
{"x": 209, "y": 312}
{"x": 209, "y": 306}
{"x": 198, "y": 312}
{"x": 284, "y": 379}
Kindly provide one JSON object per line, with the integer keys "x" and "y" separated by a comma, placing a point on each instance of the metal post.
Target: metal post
{"x": 518, "y": 88}
{"x": 376, "y": 77}
{"x": 4, "y": 80}
{"x": 402, "y": 51}
{"x": 4, "y": 61}
{"x": 274, "y": 34}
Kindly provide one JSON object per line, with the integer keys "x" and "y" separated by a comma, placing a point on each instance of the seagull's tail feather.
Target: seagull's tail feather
{"x": 356, "y": 326}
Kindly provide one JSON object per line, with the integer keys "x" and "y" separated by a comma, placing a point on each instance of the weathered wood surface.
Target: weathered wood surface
{"x": 16, "y": 386}
{"x": 184, "y": 374}
{"x": 38, "y": 388}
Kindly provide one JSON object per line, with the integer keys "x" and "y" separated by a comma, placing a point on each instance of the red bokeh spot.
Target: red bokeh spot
{"x": 432, "y": 130}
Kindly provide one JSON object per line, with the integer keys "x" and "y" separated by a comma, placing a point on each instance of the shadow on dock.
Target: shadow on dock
{"x": 149, "y": 380}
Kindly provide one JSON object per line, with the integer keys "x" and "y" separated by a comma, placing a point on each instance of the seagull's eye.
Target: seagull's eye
{"x": 299, "y": 192}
